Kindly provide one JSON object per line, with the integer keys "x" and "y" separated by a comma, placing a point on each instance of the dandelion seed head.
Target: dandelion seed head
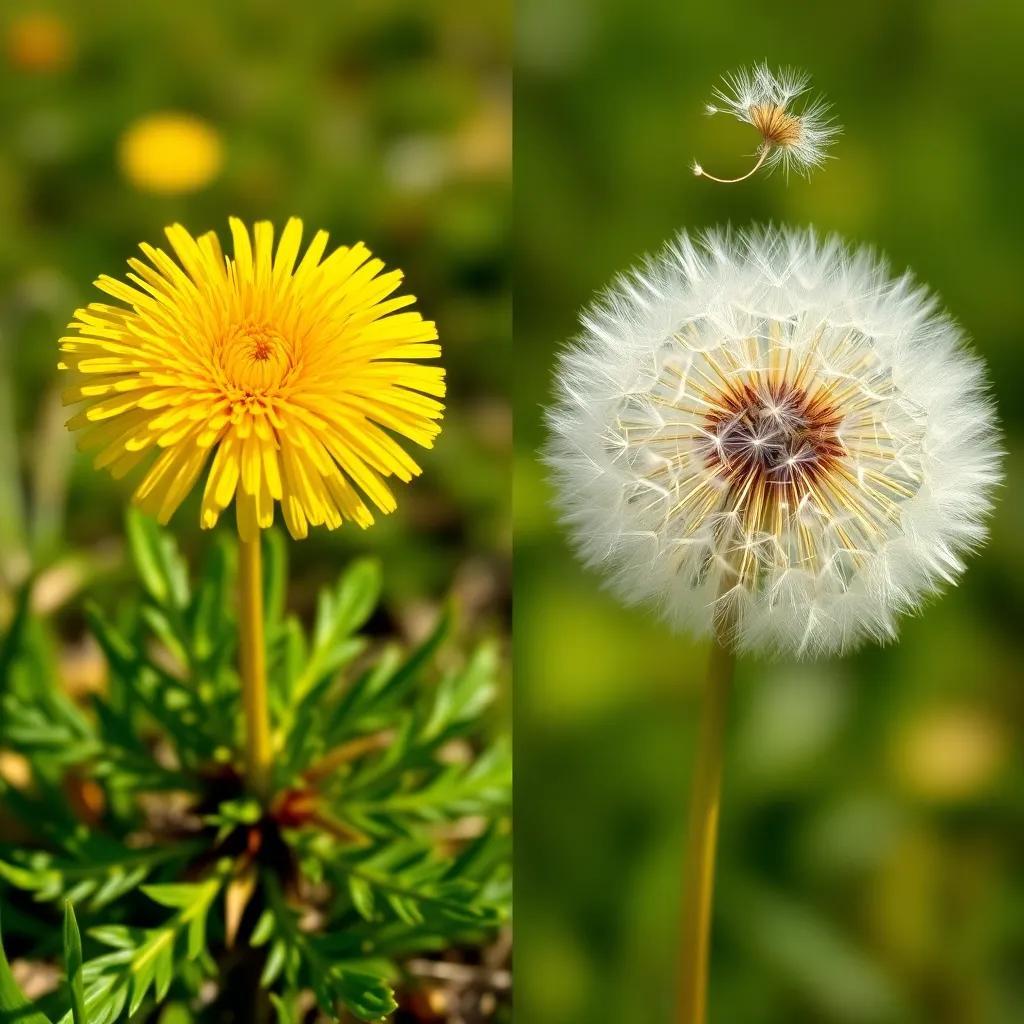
{"x": 292, "y": 378}
{"x": 766, "y": 431}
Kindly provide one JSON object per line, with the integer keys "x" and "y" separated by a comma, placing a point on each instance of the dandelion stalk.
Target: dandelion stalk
{"x": 252, "y": 663}
{"x": 702, "y": 835}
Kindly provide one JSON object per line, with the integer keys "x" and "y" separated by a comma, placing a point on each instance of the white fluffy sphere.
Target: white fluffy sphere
{"x": 766, "y": 434}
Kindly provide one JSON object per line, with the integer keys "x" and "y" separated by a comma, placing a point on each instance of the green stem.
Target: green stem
{"x": 252, "y": 664}
{"x": 699, "y": 879}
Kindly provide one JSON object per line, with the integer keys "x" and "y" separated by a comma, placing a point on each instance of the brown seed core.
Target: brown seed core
{"x": 773, "y": 438}
{"x": 777, "y": 127}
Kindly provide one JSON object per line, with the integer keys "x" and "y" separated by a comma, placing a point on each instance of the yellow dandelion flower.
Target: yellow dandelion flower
{"x": 291, "y": 377}
{"x": 170, "y": 153}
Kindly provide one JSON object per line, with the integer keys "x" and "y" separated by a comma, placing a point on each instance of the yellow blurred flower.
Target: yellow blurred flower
{"x": 170, "y": 153}
{"x": 15, "y": 769}
{"x": 950, "y": 753}
{"x": 296, "y": 380}
{"x": 39, "y": 41}
{"x": 483, "y": 145}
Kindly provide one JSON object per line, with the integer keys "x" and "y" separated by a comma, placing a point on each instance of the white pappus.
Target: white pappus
{"x": 767, "y": 435}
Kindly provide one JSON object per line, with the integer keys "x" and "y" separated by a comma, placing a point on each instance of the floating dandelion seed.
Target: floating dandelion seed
{"x": 295, "y": 380}
{"x": 794, "y": 134}
{"x": 769, "y": 437}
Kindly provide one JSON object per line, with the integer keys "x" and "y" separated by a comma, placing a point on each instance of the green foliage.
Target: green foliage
{"x": 348, "y": 979}
{"x": 16, "y": 1009}
{"x": 146, "y": 960}
{"x": 387, "y": 823}
{"x": 73, "y": 965}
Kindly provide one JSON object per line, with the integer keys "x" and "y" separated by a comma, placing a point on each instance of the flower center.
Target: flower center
{"x": 777, "y": 127}
{"x": 254, "y": 356}
{"x": 772, "y": 436}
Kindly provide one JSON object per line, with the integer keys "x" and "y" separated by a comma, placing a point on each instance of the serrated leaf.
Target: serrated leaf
{"x": 368, "y": 996}
{"x": 157, "y": 560}
{"x": 107, "y": 1007}
{"x": 362, "y": 896}
{"x": 344, "y": 610}
{"x": 462, "y": 696}
{"x": 339, "y": 613}
{"x": 376, "y": 694}
{"x": 406, "y": 894}
{"x": 145, "y": 959}
{"x": 405, "y": 908}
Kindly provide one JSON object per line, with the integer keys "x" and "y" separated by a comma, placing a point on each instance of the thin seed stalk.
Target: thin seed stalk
{"x": 252, "y": 664}
{"x": 765, "y": 149}
{"x": 702, "y": 837}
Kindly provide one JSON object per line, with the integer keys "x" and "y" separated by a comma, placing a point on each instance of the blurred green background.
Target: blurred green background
{"x": 871, "y": 863}
{"x": 387, "y": 121}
